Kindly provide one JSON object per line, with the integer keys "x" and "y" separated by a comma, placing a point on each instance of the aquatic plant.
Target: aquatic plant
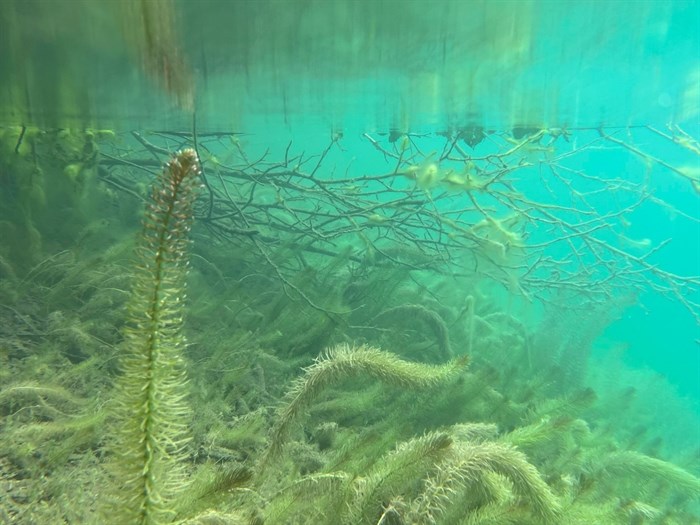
{"x": 150, "y": 408}
{"x": 42, "y": 171}
{"x": 442, "y": 476}
{"x": 416, "y": 313}
{"x": 357, "y": 438}
{"x": 342, "y": 362}
{"x": 466, "y": 473}
{"x": 635, "y": 466}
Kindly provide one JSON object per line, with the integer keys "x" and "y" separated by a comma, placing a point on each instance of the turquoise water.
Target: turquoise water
{"x": 443, "y": 266}
{"x": 357, "y": 65}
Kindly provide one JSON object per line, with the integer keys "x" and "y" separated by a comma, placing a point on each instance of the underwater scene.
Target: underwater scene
{"x": 349, "y": 262}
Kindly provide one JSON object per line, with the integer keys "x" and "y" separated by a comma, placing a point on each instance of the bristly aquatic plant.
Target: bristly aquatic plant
{"x": 342, "y": 362}
{"x": 466, "y": 471}
{"x": 150, "y": 406}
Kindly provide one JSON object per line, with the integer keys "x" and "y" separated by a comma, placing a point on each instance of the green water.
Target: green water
{"x": 443, "y": 265}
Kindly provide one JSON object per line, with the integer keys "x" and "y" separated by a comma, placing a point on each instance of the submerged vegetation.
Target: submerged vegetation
{"x": 151, "y": 414}
{"x": 408, "y": 347}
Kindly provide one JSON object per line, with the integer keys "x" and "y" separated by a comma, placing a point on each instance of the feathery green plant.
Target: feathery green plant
{"x": 397, "y": 470}
{"x": 341, "y": 362}
{"x": 150, "y": 406}
{"x": 466, "y": 470}
{"x": 637, "y": 466}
